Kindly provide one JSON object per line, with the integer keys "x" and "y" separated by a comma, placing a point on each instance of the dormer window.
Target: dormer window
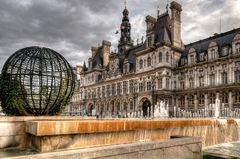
{"x": 202, "y": 57}
{"x": 212, "y": 54}
{"x": 192, "y": 59}
{"x": 238, "y": 48}
{"x": 225, "y": 51}
{"x": 149, "y": 41}
{"x": 182, "y": 62}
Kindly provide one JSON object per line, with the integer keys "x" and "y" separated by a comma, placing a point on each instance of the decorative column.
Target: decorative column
{"x": 205, "y": 100}
{"x": 195, "y": 102}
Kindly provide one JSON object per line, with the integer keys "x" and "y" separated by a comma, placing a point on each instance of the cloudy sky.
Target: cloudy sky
{"x": 71, "y": 27}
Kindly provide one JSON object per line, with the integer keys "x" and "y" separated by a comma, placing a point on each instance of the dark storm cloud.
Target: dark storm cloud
{"x": 71, "y": 27}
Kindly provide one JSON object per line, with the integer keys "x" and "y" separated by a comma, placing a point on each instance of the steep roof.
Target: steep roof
{"x": 161, "y": 29}
{"x": 98, "y": 58}
{"x": 221, "y": 40}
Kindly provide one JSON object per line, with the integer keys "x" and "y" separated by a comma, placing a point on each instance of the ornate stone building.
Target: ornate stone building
{"x": 74, "y": 107}
{"x": 161, "y": 68}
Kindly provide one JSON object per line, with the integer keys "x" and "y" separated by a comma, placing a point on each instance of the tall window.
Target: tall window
{"x": 238, "y": 48}
{"x": 191, "y": 101}
{"x": 103, "y": 91}
{"x": 212, "y": 98}
{"x": 237, "y": 76}
{"x": 140, "y": 87}
{"x": 182, "y": 85}
{"x": 167, "y": 83}
{"x": 98, "y": 92}
{"x": 167, "y": 57}
{"x": 202, "y": 57}
{"x": 113, "y": 89}
{"x": 212, "y": 79}
{"x": 224, "y": 78}
{"x": 149, "y": 61}
{"x": 118, "y": 88}
{"x": 160, "y": 57}
{"x": 149, "y": 41}
{"x": 201, "y": 81}
{"x": 149, "y": 86}
{"x": 191, "y": 83}
{"x": 225, "y": 97}
{"x": 125, "y": 87}
{"x": 131, "y": 86}
{"x": 237, "y": 97}
{"x": 212, "y": 54}
{"x": 182, "y": 101}
{"x": 192, "y": 59}
{"x": 141, "y": 64}
{"x": 160, "y": 83}
{"x": 201, "y": 99}
{"x": 225, "y": 51}
{"x": 131, "y": 105}
{"x": 108, "y": 90}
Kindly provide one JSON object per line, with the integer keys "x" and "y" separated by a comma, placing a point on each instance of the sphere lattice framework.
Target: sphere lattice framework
{"x": 45, "y": 79}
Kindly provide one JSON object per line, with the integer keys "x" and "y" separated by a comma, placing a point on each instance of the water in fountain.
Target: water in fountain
{"x": 161, "y": 110}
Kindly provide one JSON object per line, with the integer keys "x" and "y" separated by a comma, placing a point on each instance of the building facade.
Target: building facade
{"x": 161, "y": 68}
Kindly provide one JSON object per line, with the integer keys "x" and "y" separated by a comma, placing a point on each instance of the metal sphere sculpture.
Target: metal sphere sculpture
{"x": 36, "y": 81}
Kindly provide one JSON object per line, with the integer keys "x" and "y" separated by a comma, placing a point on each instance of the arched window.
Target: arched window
{"x": 160, "y": 57}
{"x": 167, "y": 57}
{"x": 131, "y": 105}
{"x": 149, "y": 61}
{"x": 141, "y": 64}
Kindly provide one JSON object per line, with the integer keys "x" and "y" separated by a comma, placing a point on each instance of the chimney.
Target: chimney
{"x": 94, "y": 51}
{"x": 176, "y": 10}
{"x": 150, "y": 23}
{"x": 106, "y": 51}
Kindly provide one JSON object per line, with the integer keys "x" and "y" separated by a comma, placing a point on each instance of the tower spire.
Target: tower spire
{"x": 167, "y": 6}
{"x": 125, "y": 40}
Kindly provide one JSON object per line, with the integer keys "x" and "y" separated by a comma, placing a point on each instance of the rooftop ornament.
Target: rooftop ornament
{"x": 36, "y": 81}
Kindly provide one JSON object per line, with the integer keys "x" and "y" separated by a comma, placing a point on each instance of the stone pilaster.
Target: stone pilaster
{"x": 230, "y": 100}
{"x": 205, "y": 100}
{"x": 186, "y": 102}
{"x": 195, "y": 102}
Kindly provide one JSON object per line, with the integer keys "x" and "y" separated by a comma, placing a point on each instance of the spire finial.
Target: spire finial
{"x": 167, "y": 6}
{"x": 158, "y": 11}
{"x": 125, "y": 4}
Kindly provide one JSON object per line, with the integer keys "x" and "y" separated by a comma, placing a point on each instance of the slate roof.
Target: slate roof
{"x": 98, "y": 58}
{"x": 223, "y": 39}
{"x": 161, "y": 29}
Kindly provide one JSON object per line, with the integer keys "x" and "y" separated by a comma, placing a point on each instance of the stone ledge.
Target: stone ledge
{"x": 32, "y": 118}
{"x": 184, "y": 148}
{"x": 43, "y": 128}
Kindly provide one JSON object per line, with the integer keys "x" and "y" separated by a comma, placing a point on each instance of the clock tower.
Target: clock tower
{"x": 125, "y": 41}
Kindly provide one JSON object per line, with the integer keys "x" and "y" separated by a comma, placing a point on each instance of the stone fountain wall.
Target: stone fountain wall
{"x": 53, "y": 133}
{"x": 13, "y": 129}
{"x": 49, "y": 136}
